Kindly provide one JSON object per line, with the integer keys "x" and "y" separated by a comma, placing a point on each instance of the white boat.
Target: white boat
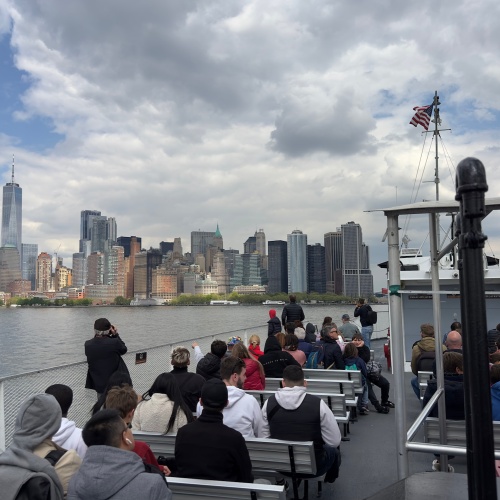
{"x": 273, "y": 303}
{"x": 224, "y": 302}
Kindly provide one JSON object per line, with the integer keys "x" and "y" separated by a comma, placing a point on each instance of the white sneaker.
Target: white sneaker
{"x": 436, "y": 466}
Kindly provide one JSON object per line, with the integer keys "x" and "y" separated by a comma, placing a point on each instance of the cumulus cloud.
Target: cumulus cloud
{"x": 173, "y": 116}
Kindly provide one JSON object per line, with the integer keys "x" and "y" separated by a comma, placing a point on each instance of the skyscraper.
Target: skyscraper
{"x": 131, "y": 244}
{"x": 248, "y": 270}
{"x": 86, "y": 222}
{"x": 357, "y": 278}
{"x": 12, "y": 215}
{"x": 260, "y": 241}
{"x": 333, "y": 261}
{"x": 44, "y": 272}
{"x": 199, "y": 241}
{"x": 250, "y": 246}
{"x": 28, "y": 265}
{"x": 79, "y": 270}
{"x": 9, "y": 267}
{"x": 277, "y": 266}
{"x": 316, "y": 268}
{"x": 297, "y": 261}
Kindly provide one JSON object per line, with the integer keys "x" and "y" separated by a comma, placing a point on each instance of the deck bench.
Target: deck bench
{"x": 423, "y": 377}
{"x": 352, "y": 375}
{"x": 196, "y": 489}
{"x": 268, "y": 456}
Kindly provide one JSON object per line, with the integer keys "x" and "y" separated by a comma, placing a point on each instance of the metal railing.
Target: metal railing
{"x": 17, "y": 388}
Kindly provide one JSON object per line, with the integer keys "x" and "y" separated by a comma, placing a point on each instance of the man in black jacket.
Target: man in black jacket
{"x": 208, "y": 449}
{"x": 292, "y": 311}
{"x": 104, "y": 355}
{"x": 209, "y": 365}
{"x": 361, "y": 312}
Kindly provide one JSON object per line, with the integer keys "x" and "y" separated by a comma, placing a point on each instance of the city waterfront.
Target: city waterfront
{"x": 34, "y": 338}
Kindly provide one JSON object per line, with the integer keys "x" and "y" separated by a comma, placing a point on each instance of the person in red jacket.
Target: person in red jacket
{"x": 254, "y": 346}
{"x": 255, "y": 378}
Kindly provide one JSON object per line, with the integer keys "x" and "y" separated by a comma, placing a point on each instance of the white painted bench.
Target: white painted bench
{"x": 423, "y": 378}
{"x": 353, "y": 375}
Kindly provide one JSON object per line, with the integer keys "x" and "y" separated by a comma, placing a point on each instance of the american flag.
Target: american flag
{"x": 422, "y": 116}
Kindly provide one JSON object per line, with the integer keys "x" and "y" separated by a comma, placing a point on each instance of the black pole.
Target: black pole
{"x": 470, "y": 187}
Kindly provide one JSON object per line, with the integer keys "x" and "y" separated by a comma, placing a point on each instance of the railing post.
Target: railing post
{"x": 2, "y": 417}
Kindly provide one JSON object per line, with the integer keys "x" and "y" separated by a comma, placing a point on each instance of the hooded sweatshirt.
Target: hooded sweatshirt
{"x": 274, "y": 324}
{"x": 242, "y": 413}
{"x": 310, "y": 333}
{"x": 69, "y": 437}
{"x": 38, "y": 419}
{"x": 274, "y": 359}
{"x": 109, "y": 473}
{"x": 290, "y": 398}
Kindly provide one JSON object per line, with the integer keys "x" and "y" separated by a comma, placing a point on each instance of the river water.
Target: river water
{"x": 32, "y": 338}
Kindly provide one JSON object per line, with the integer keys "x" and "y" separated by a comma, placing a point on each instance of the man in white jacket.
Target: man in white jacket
{"x": 242, "y": 412}
{"x": 69, "y": 436}
{"x": 307, "y": 418}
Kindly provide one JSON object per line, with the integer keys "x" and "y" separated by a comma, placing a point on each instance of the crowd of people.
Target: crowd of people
{"x": 208, "y": 410}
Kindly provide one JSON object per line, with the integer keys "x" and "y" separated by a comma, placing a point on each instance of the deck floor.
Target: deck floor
{"x": 369, "y": 459}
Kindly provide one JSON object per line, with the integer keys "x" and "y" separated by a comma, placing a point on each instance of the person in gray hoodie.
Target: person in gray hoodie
{"x": 110, "y": 470}
{"x": 21, "y": 470}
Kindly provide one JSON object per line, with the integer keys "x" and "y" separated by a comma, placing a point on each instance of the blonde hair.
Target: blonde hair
{"x": 254, "y": 339}
{"x": 180, "y": 357}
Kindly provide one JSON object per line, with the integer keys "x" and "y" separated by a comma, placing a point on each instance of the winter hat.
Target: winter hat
{"x": 102, "y": 325}
{"x": 272, "y": 313}
{"x": 214, "y": 394}
{"x": 345, "y": 316}
{"x": 233, "y": 341}
{"x": 300, "y": 333}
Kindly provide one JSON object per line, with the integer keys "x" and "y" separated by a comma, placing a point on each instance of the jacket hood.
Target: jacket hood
{"x": 272, "y": 344}
{"x": 427, "y": 344}
{"x": 272, "y": 313}
{"x": 290, "y": 398}
{"x": 38, "y": 418}
{"x": 65, "y": 431}
{"x": 105, "y": 471}
{"x": 234, "y": 395}
{"x": 310, "y": 328}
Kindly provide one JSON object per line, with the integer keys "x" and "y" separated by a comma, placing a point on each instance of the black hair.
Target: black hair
{"x": 166, "y": 383}
{"x": 218, "y": 348}
{"x": 231, "y": 365}
{"x": 294, "y": 374}
{"x": 455, "y": 325}
{"x": 292, "y": 298}
{"x": 104, "y": 428}
{"x": 117, "y": 379}
{"x": 350, "y": 351}
{"x": 291, "y": 342}
{"x": 63, "y": 395}
{"x": 290, "y": 327}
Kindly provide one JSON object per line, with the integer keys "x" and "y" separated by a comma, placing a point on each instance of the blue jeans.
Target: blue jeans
{"x": 328, "y": 462}
{"x": 366, "y": 333}
{"x": 415, "y": 386}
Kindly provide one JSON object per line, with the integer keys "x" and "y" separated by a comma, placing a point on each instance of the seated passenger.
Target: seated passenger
{"x": 118, "y": 379}
{"x": 110, "y": 470}
{"x": 291, "y": 347}
{"x": 189, "y": 383}
{"x": 354, "y": 362}
{"x": 495, "y": 392}
{"x": 332, "y": 358}
{"x": 304, "y": 346}
{"x": 69, "y": 436}
{"x": 255, "y": 378}
{"x": 208, "y": 449}
{"x": 162, "y": 408}
{"x": 33, "y": 464}
{"x": 124, "y": 400}
{"x": 254, "y": 346}
{"x": 209, "y": 366}
{"x": 275, "y": 360}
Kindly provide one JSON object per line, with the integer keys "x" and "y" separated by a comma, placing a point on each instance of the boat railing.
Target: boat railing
{"x": 15, "y": 389}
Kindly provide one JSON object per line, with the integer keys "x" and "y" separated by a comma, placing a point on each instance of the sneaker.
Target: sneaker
{"x": 283, "y": 482}
{"x": 436, "y": 466}
{"x": 363, "y": 411}
{"x": 382, "y": 409}
{"x": 389, "y": 404}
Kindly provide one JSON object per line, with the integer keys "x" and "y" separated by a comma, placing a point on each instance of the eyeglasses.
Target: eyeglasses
{"x": 333, "y": 331}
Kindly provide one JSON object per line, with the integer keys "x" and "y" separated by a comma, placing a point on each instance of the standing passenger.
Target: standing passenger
{"x": 273, "y": 325}
{"x": 361, "y": 312}
{"x": 292, "y": 311}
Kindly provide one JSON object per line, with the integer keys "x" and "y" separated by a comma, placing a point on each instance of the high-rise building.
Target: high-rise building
{"x": 200, "y": 240}
{"x": 217, "y": 240}
{"x": 131, "y": 246}
{"x": 127, "y": 242}
{"x": 219, "y": 273}
{"x": 356, "y": 275}
{"x": 164, "y": 283}
{"x": 316, "y": 268}
{"x": 12, "y": 215}
{"x": 145, "y": 262}
{"x": 86, "y": 222}
{"x": 95, "y": 268}
{"x": 166, "y": 246}
{"x": 9, "y": 267}
{"x": 297, "y": 261}
{"x": 114, "y": 270}
{"x": 260, "y": 241}
{"x": 99, "y": 234}
{"x": 28, "y": 266}
{"x": 250, "y": 246}
{"x": 177, "y": 251}
{"x": 62, "y": 278}
{"x": 79, "y": 270}
{"x": 333, "y": 261}
{"x": 277, "y": 266}
{"x": 248, "y": 270}
{"x": 44, "y": 273}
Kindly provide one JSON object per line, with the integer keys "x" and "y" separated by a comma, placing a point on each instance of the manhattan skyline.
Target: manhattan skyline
{"x": 251, "y": 115}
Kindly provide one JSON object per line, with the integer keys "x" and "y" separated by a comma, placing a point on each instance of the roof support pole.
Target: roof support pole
{"x": 397, "y": 344}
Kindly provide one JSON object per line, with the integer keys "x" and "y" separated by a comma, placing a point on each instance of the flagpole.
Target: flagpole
{"x": 436, "y": 173}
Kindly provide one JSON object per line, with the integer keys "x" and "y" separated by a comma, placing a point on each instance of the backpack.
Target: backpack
{"x": 351, "y": 367}
{"x": 372, "y": 317}
{"x": 425, "y": 361}
{"x": 316, "y": 356}
{"x": 374, "y": 369}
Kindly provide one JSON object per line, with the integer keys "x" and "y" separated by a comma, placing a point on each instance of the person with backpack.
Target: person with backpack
{"x": 33, "y": 466}
{"x": 354, "y": 362}
{"x": 368, "y": 317}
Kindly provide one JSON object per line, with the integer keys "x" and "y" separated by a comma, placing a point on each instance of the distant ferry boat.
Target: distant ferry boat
{"x": 224, "y": 302}
{"x": 273, "y": 303}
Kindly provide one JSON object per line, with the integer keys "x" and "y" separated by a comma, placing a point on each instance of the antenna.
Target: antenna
{"x": 12, "y": 170}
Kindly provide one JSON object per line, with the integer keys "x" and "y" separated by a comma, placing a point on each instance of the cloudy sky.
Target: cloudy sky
{"x": 281, "y": 115}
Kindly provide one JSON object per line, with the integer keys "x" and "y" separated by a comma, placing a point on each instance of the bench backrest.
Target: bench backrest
{"x": 353, "y": 375}
{"x": 269, "y": 454}
{"x": 330, "y": 386}
{"x": 336, "y": 402}
{"x": 455, "y": 432}
{"x": 196, "y": 489}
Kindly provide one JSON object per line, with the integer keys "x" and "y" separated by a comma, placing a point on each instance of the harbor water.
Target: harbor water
{"x": 33, "y": 338}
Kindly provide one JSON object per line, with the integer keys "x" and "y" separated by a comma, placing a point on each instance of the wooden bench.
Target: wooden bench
{"x": 352, "y": 375}
{"x": 268, "y": 456}
{"x": 336, "y": 403}
{"x": 196, "y": 489}
{"x": 423, "y": 377}
{"x": 455, "y": 432}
